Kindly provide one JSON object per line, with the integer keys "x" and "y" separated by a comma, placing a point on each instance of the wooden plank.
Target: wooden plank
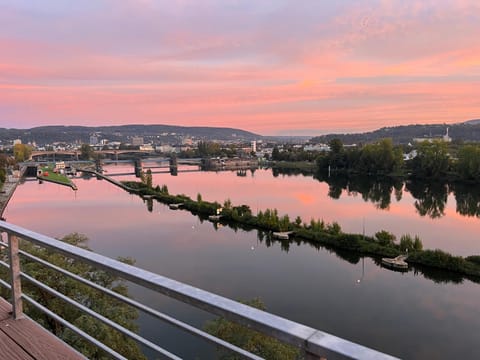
{"x": 10, "y": 350}
{"x": 5, "y": 309}
{"x": 37, "y": 341}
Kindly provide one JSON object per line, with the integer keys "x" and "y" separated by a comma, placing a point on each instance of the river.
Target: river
{"x": 404, "y": 314}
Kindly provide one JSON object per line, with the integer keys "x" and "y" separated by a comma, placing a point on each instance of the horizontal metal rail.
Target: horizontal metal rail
{"x": 101, "y": 318}
{"x": 73, "y": 328}
{"x": 314, "y": 342}
{"x": 159, "y": 315}
{"x": 5, "y": 284}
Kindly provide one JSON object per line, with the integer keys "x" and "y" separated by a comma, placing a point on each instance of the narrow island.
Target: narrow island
{"x": 316, "y": 232}
{"x": 50, "y": 174}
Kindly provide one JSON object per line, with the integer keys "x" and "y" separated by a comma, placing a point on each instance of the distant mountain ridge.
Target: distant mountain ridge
{"x": 70, "y": 134}
{"x": 404, "y": 134}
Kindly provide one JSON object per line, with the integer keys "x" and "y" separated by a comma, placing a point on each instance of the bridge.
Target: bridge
{"x": 75, "y": 153}
{"x": 314, "y": 343}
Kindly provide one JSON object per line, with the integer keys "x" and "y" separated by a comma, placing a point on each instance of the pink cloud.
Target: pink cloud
{"x": 359, "y": 68}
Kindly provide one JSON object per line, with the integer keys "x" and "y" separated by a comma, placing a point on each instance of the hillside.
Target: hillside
{"x": 466, "y": 131}
{"x": 50, "y": 134}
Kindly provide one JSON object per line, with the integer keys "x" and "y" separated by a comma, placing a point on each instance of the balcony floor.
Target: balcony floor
{"x": 26, "y": 340}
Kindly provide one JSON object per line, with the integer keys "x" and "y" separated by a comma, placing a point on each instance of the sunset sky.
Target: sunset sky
{"x": 274, "y": 67}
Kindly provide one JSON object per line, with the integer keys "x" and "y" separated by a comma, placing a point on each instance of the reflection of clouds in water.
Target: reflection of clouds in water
{"x": 304, "y": 198}
{"x": 297, "y": 284}
{"x": 293, "y": 195}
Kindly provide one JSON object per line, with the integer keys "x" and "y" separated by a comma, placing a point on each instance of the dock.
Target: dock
{"x": 23, "y": 339}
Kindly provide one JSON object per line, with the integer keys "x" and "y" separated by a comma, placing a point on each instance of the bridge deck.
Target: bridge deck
{"x": 26, "y": 340}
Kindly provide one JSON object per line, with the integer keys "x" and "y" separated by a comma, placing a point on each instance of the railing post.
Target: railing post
{"x": 15, "y": 276}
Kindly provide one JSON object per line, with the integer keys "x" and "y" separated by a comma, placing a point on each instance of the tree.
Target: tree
{"x": 86, "y": 152}
{"x": 208, "y": 148}
{"x": 432, "y": 160}
{"x": 406, "y": 243}
{"x": 148, "y": 179}
{"x": 95, "y": 300}
{"x": 275, "y": 153}
{"x": 22, "y": 152}
{"x": 385, "y": 238}
{"x": 250, "y": 340}
{"x": 468, "y": 164}
{"x": 336, "y": 146}
{"x": 3, "y": 169}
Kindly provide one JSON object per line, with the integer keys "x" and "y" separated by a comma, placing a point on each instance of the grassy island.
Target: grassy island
{"x": 48, "y": 174}
{"x": 316, "y": 232}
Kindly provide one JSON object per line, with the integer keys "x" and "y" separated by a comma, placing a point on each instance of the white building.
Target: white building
{"x": 93, "y": 140}
{"x": 137, "y": 140}
{"x": 316, "y": 147}
{"x": 165, "y": 149}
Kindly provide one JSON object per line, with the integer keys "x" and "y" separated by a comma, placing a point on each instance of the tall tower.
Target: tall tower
{"x": 254, "y": 146}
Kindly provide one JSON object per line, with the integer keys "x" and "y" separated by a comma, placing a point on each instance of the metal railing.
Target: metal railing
{"x": 314, "y": 343}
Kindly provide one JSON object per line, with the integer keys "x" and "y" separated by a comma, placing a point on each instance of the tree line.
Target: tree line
{"x": 430, "y": 160}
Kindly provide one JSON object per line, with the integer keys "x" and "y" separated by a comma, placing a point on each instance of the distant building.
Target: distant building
{"x": 165, "y": 149}
{"x": 316, "y": 147}
{"x": 17, "y": 142}
{"x": 254, "y": 146}
{"x": 60, "y": 165}
{"x": 137, "y": 140}
{"x": 93, "y": 140}
{"x": 146, "y": 147}
{"x": 445, "y": 138}
{"x": 187, "y": 141}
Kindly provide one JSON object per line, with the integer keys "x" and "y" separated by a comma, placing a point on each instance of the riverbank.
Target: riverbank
{"x": 315, "y": 232}
{"x": 7, "y": 191}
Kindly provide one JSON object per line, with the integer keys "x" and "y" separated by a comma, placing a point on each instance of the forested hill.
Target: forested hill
{"x": 466, "y": 131}
{"x": 50, "y": 134}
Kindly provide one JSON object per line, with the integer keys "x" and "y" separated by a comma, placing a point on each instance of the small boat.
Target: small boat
{"x": 282, "y": 235}
{"x": 214, "y": 217}
{"x": 396, "y": 262}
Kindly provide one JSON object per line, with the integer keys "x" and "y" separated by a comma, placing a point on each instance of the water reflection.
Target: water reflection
{"x": 374, "y": 189}
{"x": 467, "y": 198}
{"x": 306, "y": 285}
{"x": 431, "y": 197}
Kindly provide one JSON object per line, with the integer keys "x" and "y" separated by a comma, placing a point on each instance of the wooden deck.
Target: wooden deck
{"x": 26, "y": 340}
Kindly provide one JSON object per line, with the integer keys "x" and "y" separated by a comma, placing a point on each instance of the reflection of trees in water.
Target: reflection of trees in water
{"x": 467, "y": 197}
{"x": 431, "y": 197}
{"x": 374, "y": 189}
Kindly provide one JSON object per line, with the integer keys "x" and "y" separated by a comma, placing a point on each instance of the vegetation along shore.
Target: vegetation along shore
{"x": 315, "y": 232}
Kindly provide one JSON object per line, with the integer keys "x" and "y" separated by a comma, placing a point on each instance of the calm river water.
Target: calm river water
{"x": 405, "y": 314}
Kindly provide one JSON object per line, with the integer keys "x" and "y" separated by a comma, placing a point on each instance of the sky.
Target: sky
{"x": 273, "y": 67}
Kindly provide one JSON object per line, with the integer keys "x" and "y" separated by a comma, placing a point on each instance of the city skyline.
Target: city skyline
{"x": 270, "y": 67}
